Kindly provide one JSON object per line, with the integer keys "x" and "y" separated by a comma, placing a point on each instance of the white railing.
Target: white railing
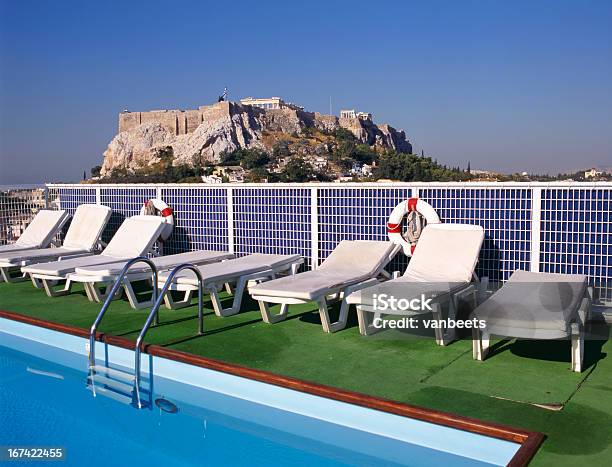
{"x": 18, "y": 205}
{"x": 563, "y": 227}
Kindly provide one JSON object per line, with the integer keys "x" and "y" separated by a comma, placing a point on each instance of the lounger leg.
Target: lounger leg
{"x": 6, "y": 276}
{"x": 366, "y": 328}
{"x": 51, "y": 292}
{"x": 36, "y": 282}
{"x": 324, "y": 314}
{"x": 451, "y": 333}
{"x": 328, "y": 326}
{"x": 94, "y": 291}
{"x": 480, "y": 344}
{"x": 236, "y": 302}
{"x": 578, "y": 332}
{"x": 133, "y": 299}
{"x": 172, "y": 304}
{"x": 577, "y": 349}
{"x": 438, "y": 330}
{"x": 90, "y": 295}
{"x": 228, "y": 288}
{"x": 343, "y": 318}
{"x": 267, "y": 315}
{"x": 48, "y": 285}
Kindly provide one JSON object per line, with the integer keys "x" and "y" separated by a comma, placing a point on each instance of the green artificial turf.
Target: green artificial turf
{"x": 501, "y": 389}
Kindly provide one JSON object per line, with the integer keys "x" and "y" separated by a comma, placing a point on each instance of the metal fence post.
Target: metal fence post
{"x": 230, "y": 220}
{"x": 314, "y": 228}
{"x": 98, "y": 195}
{"x": 536, "y": 217}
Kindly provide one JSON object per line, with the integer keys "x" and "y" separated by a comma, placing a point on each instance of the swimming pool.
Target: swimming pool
{"x": 45, "y": 401}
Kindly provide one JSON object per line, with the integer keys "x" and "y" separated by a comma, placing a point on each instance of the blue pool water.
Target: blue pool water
{"x": 46, "y": 404}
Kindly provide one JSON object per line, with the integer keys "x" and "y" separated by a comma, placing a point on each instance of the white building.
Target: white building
{"x": 212, "y": 179}
{"x": 270, "y": 103}
{"x": 361, "y": 170}
{"x": 351, "y": 113}
{"x": 234, "y": 173}
{"x": 319, "y": 163}
{"x": 593, "y": 173}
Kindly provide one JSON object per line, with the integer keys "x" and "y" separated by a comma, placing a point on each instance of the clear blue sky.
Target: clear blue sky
{"x": 512, "y": 86}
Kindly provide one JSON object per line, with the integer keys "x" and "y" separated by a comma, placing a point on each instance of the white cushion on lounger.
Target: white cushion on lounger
{"x": 161, "y": 262}
{"x": 40, "y": 232}
{"x": 87, "y": 224}
{"x": 39, "y": 255}
{"x": 358, "y": 257}
{"x": 349, "y": 263}
{"x": 533, "y": 304}
{"x": 399, "y": 288}
{"x": 13, "y": 247}
{"x": 445, "y": 253}
{"x": 305, "y": 286}
{"x": 233, "y": 268}
{"x": 66, "y": 266}
{"x": 135, "y": 236}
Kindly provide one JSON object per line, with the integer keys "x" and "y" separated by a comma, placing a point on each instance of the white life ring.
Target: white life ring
{"x": 412, "y": 207}
{"x": 156, "y": 206}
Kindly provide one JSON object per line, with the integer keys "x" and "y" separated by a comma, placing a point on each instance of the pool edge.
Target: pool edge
{"x": 529, "y": 441}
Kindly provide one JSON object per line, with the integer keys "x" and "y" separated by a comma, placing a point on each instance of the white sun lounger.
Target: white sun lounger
{"x": 40, "y": 232}
{"x": 535, "y": 305}
{"x": 82, "y": 237}
{"x": 352, "y": 265}
{"x": 239, "y": 271}
{"x": 135, "y": 237}
{"x": 441, "y": 268}
{"x": 96, "y": 277}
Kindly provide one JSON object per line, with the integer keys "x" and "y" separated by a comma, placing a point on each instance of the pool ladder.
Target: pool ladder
{"x": 124, "y": 385}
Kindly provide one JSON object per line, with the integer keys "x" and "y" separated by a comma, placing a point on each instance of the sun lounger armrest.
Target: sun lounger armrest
{"x": 76, "y": 255}
{"x": 361, "y": 285}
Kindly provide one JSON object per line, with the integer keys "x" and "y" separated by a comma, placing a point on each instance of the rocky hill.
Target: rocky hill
{"x": 201, "y": 137}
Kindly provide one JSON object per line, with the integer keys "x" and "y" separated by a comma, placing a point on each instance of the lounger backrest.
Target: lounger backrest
{"x": 446, "y": 253}
{"x": 42, "y": 229}
{"x": 359, "y": 257}
{"x": 135, "y": 236}
{"x": 562, "y": 292}
{"x": 87, "y": 225}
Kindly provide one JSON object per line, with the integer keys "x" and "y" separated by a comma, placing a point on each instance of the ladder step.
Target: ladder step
{"x": 121, "y": 386}
{"x": 120, "y": 397}
{"x": 124, "y": 375}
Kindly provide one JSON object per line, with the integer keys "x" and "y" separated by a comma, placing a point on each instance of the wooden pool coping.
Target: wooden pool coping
{"x": 529, "y": 441}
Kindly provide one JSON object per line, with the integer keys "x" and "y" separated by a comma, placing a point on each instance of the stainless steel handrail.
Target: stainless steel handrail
{"x": 118, "y": 283}
{"x": 153, "y": 314}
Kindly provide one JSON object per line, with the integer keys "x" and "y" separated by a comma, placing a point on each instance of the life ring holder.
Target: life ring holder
{"x": 158, "y": 207}
{"x": 416, "y": 210}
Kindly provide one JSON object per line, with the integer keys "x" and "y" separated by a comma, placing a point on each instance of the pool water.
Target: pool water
{"x": 46, "y": 404}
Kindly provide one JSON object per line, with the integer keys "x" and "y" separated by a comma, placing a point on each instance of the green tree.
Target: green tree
{"x": 246, "y": 158}
{"x": 297, "y": 170}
